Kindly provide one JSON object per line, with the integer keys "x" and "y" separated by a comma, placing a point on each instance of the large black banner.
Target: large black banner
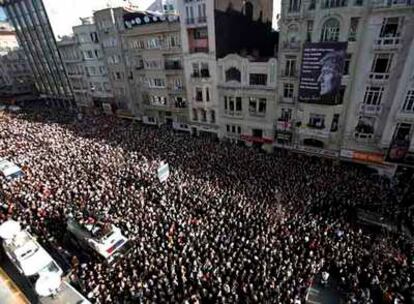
{"x": 321, "y": 72}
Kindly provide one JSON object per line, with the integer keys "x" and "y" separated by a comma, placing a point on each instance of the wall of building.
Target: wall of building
{"x": 262, "y": 10}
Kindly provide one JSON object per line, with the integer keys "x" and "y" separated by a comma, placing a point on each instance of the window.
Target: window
{"x": 257, "y": 106}
{"x": 201, "y": 70}
{"x": 195, "y": 115}
{"x": 180, "y": 102}
{"x": 359, "y": 2}
{"x": 156, "y": 83}
{"x": 207, "y": 94}
{"x": 288, "y": 90}
{"x": 212, "y": 116}
{"x": 390, "y": 28}
{"x": 402, "y": 133}
{"x": 189, "y": 14}
{"x": 203, "y": 115}
{"x": 199, "y": 94}
{"x": 238, "y": 104}
{"x": 290, "y": 68}
{"x": 409, "y": 102}
{"x": 200, "y": 33}
{"x": 309, "y": 30}
{"x": 330, "y": 30}
{"x": 381, "y": 63}
{"x": 333, "y": 3}
{"x": 258, "y": 79}
{"x": 205, "y": 72}
{"x": 353, "y": 29}
{"x": 335, "y": 122}
{"x": 365, "y": 126}
{"x": 202, "y": 16}
{"x": 286, "y": 115}
{"x": 316, "y": 121}
{"x": 94, "y": 37}
{"x": 347, "y": 64}
{"x": 294, "y": 5}
{"x": 174, "y": 41}
{"x": 312, "y": 5}
{"x": 373, "y": 95}
{"x": 154, "y": 43}
{"x": 88, "y": 55}
{"x": 233, "y": 74}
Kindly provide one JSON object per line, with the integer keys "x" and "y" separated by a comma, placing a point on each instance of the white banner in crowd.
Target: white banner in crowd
{"x": 163, "y": 172}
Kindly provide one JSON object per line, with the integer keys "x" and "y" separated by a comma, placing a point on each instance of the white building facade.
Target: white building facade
{"x": 247, "y": 100}
{"x": 378, "y": 38}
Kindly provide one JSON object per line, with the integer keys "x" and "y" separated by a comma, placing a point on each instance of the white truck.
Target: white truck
{"x": 31, "y": 259}
{"x": 104, "y": 239}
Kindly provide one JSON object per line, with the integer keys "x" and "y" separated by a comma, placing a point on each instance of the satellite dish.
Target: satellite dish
{"x": 132, "y": 21}
{"x": 146, "y": 19}
{"x": 155, "y": 19}
{"x": 47, "y": 284}
{"x": 162, "y": 18}
{"x": 9, "y": 229}
{"x": 128, "y": 24}
{"x": 138, "y": 20}
{"x": 171, "y": 18}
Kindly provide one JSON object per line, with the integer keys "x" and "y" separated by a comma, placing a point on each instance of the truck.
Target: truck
{"x": 102, "y": 238}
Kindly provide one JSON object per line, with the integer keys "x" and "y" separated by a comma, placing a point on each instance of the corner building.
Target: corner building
{"x": 378, "y": 35}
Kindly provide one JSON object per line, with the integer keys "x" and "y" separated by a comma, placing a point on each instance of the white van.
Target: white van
{"x": 10, "y": 170}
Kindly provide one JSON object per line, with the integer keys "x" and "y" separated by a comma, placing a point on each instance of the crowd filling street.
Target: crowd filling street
{"x": 230, "y": 225}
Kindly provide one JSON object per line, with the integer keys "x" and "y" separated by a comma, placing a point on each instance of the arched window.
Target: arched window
{"x": 248, "y": 10}
{"x": 292, "y": 36}
{"x": 330, "y": 30}
{"x": 233, "y": 74}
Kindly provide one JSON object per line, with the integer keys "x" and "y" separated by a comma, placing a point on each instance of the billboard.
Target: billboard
{"x": 321, "y": 72}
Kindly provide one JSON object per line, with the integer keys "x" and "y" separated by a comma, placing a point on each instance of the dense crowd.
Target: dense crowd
{"x": 230, "y": 225}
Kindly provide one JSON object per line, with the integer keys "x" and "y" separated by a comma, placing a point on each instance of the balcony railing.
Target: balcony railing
{"x": 282, "y": 125}
{"x": 202, "y": 19}
{"x": 333, "y": 3}
{"x": 201, "y": 74}
{"x": 233, "y": 113}
{"x": 289, "y": 73}
{"x": 387, "y": 42}
{"x": 199, "y": 50}
{"x": 391, "y": 3}
{"x": 379, "y": 76}
{"x": 190, "y": 20}
{"x": 293, "y": 45}
{"x": 370, "y": 109}
{"x": 173, "y": 65}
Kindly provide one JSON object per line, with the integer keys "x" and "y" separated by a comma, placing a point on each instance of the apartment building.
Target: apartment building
{"x": 164, "y": 6}
{"x": 155, "y": 68}
{"x": 16, "y": 78}
{"x": 247, "y": 97}
{"x": 110, "y": 27}
{"x": 93, "y": 70}
{"x": 35, "y": 36}
{"x": 211, "y": 30}
{"x": 340, "y": 69}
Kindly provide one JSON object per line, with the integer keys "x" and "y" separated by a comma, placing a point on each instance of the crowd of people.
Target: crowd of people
{"x": 230, "y": 225}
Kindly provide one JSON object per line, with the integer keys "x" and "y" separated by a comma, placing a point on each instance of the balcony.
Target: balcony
{"x": 173, "y": 65}
{"x": 379, "y": 77}
{"x": 314, "y": 131}
{"x": 293, "y": 45}
{"x": 201, "y": 74}
{"x": 190, "y": 21}
{"x": 289, "y": 74}
{"x": 334, "y": 3}
{"x": 282, "y": 125}
{"x": 387, "y": 43}
{"x": 370, "y": 109}
{"x": 202, "y": 19}
{"x": 236, "y": 114}
{"x": 391, "y": 3}
{"x": 289, "y": 100}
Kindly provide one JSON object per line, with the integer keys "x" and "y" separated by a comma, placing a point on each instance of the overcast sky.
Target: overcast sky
{"x": 64, "y": 14}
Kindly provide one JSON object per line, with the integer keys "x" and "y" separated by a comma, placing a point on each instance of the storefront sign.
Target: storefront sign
{"x": 321, "y": 74}
{"x": 370, "y": 157}
{"x": 258, "y": 140}
{"x": 312, "y": 150}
